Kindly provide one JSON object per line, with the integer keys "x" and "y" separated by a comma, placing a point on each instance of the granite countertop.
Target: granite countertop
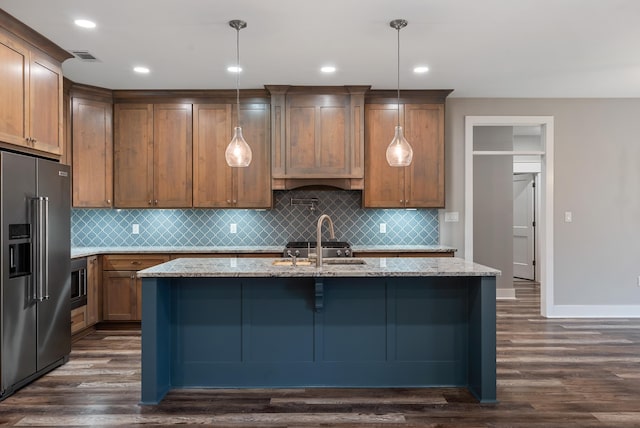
{"x": 90, "y": 251}
{"x": 263, "y": 267}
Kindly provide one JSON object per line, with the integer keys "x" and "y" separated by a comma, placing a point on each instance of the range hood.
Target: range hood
{"x": 318, "y": 183}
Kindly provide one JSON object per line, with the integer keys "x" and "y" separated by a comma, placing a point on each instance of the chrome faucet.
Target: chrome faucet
{"x": 322, "y": 218}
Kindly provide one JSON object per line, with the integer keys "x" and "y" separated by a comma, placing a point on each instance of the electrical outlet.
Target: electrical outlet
{"x": 383, "y": 227}
{"x": 568, "y": 216}
{"x": 135, "y": 229}
{"x": 233, "y": 228}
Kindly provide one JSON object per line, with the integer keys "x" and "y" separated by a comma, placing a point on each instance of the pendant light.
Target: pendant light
{"x": 238, "y": 153}
{"x": 399, "y": 151}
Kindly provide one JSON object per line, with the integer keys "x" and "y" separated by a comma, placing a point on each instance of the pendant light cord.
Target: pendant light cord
{"x": 238, "y": 76}
{"x": 398, "y": 76}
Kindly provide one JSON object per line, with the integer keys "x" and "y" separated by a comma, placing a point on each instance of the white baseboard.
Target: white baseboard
{"x": 505, "y": 293}
{"x": 594, "y": 311}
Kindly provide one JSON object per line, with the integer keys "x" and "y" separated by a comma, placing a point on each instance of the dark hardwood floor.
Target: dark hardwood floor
{"x": 551, "y": 373}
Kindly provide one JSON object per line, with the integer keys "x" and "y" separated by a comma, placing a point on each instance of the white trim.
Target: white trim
{"x": 527, "y": 168}
{"x": 505, "y": 294}
{"x": 546, "y": 193}
{"x": 595, "y": 311}
{"x": 508, "y": 153}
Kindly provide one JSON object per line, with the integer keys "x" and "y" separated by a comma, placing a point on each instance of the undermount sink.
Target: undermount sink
{"x": 327, "y": 261}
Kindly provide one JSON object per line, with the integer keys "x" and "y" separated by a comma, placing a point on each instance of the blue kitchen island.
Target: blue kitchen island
{"x": 245, "y": 323}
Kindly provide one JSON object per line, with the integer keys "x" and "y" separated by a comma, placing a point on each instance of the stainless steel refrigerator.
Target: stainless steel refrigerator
{"x": 35, "y": 318}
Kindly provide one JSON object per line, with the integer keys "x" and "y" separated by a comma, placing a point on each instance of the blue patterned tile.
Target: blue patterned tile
{"x": 203, "y": 227}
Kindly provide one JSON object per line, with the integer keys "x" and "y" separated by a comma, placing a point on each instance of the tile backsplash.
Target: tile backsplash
{"x": 208, "y": 227}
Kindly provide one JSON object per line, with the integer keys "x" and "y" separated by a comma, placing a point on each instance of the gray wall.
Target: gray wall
{"x": 597, "y": 177}
{"x": 493, "y": 202}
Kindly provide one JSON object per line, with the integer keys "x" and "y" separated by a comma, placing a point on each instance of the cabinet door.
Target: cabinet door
{"x": 424, "y": 129}
{"x": 384, "y": 185}
{"x": 317, "y": 136}
{"x": 212, "y": 177}
{"x": 133, "y": 155}
{"x": 45, "y": 103}
{"x": 120, "y": 295}
{"x": 172, "y": 156}
{"x": 92, "y": 154}
{"x": 14, "y": 74}
{"x": 252, "y": 185}
{"x": 93, "y": 290}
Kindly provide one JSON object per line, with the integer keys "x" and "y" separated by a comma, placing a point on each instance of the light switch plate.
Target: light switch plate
{"x": 233, "y": 228}
{"x": 568, "y": 216}
{"x": 383, "y": 227}
{"x": 451, "y": 217}
{"x": 135, "y": 229}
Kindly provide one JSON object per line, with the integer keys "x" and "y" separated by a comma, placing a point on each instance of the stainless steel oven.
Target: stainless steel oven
{"x": 78, "y": 282}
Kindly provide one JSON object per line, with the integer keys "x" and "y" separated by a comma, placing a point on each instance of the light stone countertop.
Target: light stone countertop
{"x": 90, "y": 251}
{"x": 263, "y": 267}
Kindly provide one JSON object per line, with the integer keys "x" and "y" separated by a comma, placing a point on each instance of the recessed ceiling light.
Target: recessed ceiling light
{"x": 328, "y": 69}
{"x": 84, "y": 23}
{"x": 141, "y": 70}
{"x": 421, "y": 69}
{"x": 234, "y": 69}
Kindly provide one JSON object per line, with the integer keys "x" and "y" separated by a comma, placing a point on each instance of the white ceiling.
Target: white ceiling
{"x": 479, "y": 48}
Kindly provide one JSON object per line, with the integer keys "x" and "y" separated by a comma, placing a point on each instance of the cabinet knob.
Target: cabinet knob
{"x": 150, "y": 202}
{"x": 135, "y": 262}
{"x": 109, "y": 201}
{"x": 33, "y": 140}
{"x": 155, "y": 202}
{"x": 235, "y": 201}
{"x": 228, "y": 201}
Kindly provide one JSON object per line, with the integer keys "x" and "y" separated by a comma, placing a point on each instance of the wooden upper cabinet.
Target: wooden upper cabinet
{"x": 420, "y": 185}
{"x": 172, "y": 156}
{"x": 317, "y": 133}
{"x": 212, "y": 181}
{"x": 424, "y": 124}
{"x": 133, "y": 155}
{"x": 31, "y": 110}
{"x": 384, "y": 185}
{"x": 152, "y": 156}
{"x": 46, "y": 114}
{"x": 215, "y": 184}
{"x": 252, "y": 185}
{"x": 92, "y": 142}
{"x": 317, "y": 140}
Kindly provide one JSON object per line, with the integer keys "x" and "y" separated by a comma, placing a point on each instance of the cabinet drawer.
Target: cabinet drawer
{"x": 132, "y": 261}
{"x": 78, "y": 319}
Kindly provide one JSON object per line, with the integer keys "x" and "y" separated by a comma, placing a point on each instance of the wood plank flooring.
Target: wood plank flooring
{"x": 551, "y": 373}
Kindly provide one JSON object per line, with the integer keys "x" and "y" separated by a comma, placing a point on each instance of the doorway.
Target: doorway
{"x": 545, "y": 187}
{"x": 524, "y": 225}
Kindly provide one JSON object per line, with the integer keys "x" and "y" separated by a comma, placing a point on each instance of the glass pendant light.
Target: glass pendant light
{"x": 238, "y": 153}
{"x": 399, "y": 151}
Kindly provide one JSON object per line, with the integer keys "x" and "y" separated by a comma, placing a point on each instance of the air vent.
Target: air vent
{"x": 85, "y": 56}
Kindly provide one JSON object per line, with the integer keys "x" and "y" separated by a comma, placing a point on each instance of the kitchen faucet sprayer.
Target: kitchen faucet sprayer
{"x": 322, "y": 218}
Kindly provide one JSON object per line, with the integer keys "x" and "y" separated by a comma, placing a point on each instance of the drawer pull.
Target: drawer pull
{"x": 135, "y": 262}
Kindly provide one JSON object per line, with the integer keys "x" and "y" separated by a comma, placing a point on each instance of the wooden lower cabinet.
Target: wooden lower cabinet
{"x": 121, "y": 289}
{"x": 120, "y": 296}
{"x": 93, "y": 291}
{"x": 78, "y": 319}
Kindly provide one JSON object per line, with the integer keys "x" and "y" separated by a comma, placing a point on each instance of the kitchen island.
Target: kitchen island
{"x": 390, "y": 322}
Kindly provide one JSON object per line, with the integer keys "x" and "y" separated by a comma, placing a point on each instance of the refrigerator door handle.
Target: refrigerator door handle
{"x": 41, "y": 274}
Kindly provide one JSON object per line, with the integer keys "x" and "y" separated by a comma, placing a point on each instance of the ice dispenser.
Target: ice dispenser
{"x": 19, "y": 250}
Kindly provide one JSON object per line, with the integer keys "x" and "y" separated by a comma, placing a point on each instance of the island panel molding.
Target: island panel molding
{"x": 244, "y": 323}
